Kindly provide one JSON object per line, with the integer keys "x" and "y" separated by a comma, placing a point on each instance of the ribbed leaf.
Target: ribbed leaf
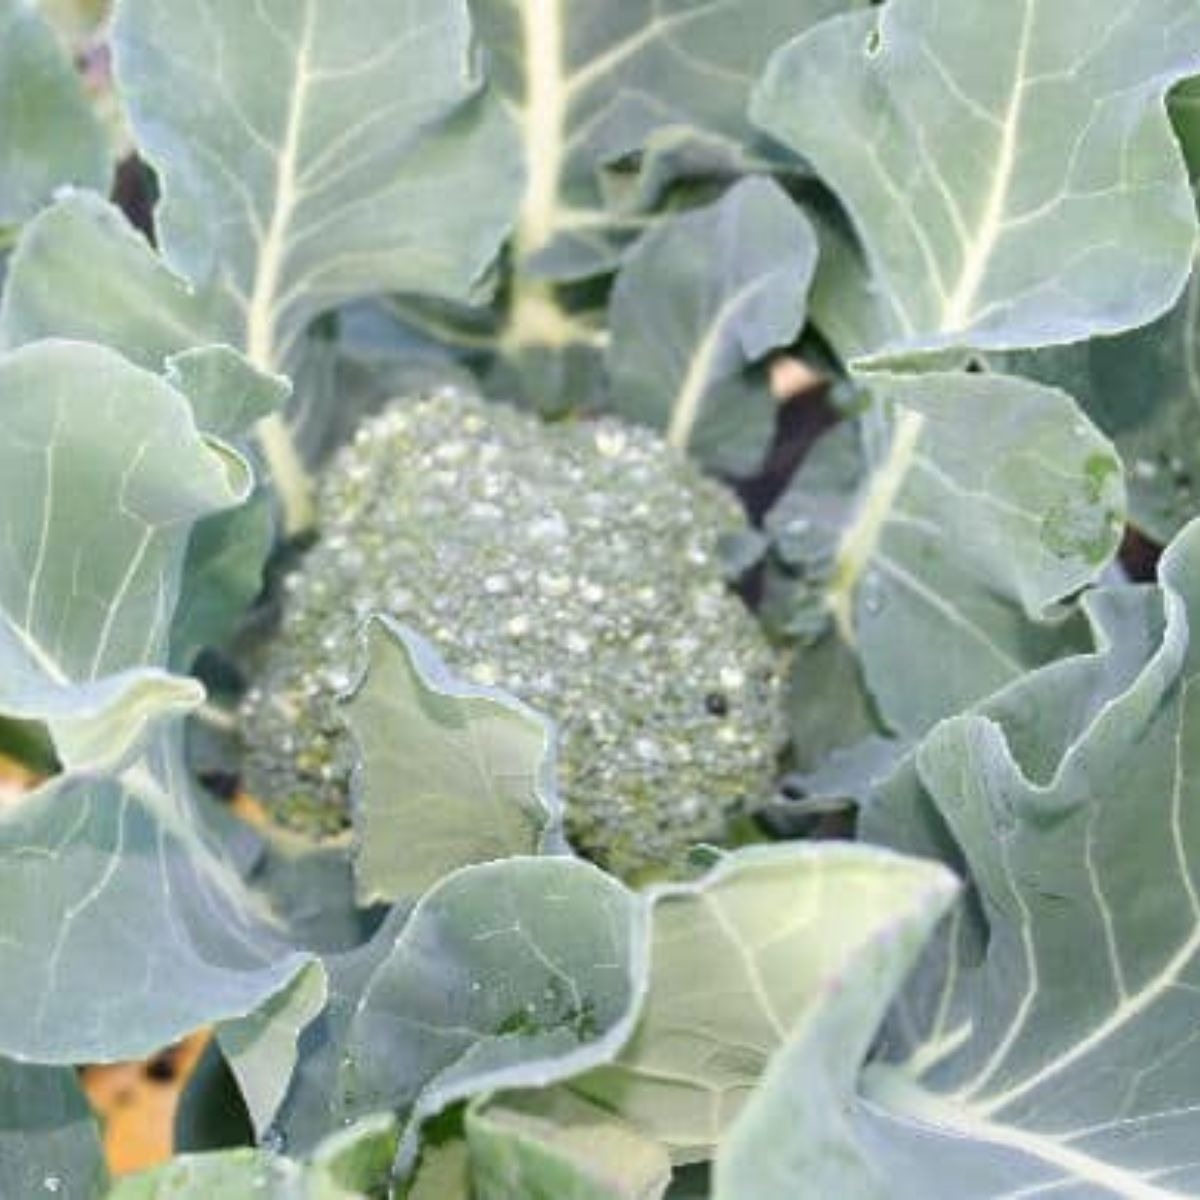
{"x": 702, "y": 298}
{"x": 1009, "y": 167}
{"x": 1050, "y": 1044}
{"x": 940, "y": 535}
{"x": 314, "y": 151}
{"x": 103, "y": 475}
{"x": 553, "y": 1143}
{"x": 739, "y": 961}
{"x": 126, "y": 925}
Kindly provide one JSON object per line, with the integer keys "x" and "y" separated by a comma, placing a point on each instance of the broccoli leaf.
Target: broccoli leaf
{"x": 1049, "y": 1043}
{"x": 50, "y": 136}
{"x": 1009, "y": 168}
{"x": 349, "y": 1165}
{"x": 1143, "y": 387}
{"x": 516, "y": 974}
{"x": 313, "y": 152}
{"x": 449, "y": 773}
{"x": 739, "y": 960}
{"x": 114, "y": 888}
{"x": 531, "y": 970}
{"x": 103, "y": 475}
{"x": 49, "y": 1143}
{"x": 224, "y": 1173}
{"x": 128, "y": 300}
{"x": 702, "y": 297}
{"x": 554, "y": 1143}
{"x": 937, "y": 545}
{"x": 262, "y": 1047}
{"x": 594, "y": 82}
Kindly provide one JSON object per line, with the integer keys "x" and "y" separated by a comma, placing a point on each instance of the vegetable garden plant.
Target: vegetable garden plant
{"x": 656, "y": 790}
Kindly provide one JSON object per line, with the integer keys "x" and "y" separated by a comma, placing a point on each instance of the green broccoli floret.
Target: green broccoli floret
{"x": 578, "y": 567}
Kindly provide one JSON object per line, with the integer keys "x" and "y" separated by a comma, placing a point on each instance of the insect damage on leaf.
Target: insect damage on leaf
{"x": 578, "y": 567}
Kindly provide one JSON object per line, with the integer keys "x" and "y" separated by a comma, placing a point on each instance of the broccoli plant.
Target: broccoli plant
{"x": 601, "y": 593}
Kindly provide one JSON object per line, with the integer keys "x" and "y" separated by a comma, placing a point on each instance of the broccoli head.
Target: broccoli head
{"x": 578, "y": 566}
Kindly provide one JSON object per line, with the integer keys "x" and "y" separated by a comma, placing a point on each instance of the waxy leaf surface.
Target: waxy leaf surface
{"x": 449, "y": 774}
{"x": 1009, "y": 168}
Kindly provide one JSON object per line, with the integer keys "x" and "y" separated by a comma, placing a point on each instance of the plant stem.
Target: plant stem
{"x": 293, "y": 484}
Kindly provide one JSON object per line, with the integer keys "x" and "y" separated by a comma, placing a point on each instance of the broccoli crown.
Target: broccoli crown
{"x": 578, "y": 567}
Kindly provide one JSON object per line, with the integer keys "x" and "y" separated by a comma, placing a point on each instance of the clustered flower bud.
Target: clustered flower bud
{"x": 577, "y": 566}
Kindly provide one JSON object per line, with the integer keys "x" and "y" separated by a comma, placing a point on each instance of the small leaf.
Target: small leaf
{"x": 702, "y": 298}
{"x": 356, "y": 1161}
{"x": 128, "y": 299}
{"x": 231, "y": 1173}
{"x": 554, "y": 1143}
{"x": 450, "y": 773}
{"x": 262, "y": 1047}
{"x": 222, "y": 575}
{"x": 229, "y": 397}
{"x": 1009, "y": 168}
{"x": 51, "y": 137}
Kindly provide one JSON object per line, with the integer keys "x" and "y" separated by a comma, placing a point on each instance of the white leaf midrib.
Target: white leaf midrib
{"x": 958, "y": 311}
{"x": 859, "y": 542}
{"x": 700, "y": 375}
{"x": 543, "y": 120}
{"x": 894, "y": 1095}
{"x": 261, "y": 315}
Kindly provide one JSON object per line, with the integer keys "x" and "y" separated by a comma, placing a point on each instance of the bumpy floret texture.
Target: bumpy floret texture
{"x": 576, "y": 566}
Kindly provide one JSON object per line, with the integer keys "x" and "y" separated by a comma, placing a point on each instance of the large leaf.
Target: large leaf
{"x": 126, "y": 926}
{"x": 769, "y": 1152}
{"x": 102, "y": 477}
{"x": 510, "y": 974}
{"x": 1143, "y": 387}
{"x": 1049, "y": 1044}
{"x": 597, "y": 87}
{"x": 315, "y": 151}
{"x": 449, "y": 773}
{"x": 49, "y": 1143}
{"x": 957, "y": 515}
{"x": 50, "y": 136}
{"x": 739, "y": 959}
{"x": 309, "y": 153}
{"x": 700, "y": 299}
{"x": 593, "y": 82}
{"x": 1009, "y": 167}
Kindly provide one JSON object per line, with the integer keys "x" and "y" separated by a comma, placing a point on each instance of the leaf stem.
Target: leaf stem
{"x": 293, "y": 484}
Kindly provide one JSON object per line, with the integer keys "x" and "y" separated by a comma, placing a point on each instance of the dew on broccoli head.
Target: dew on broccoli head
{"x": 577, "y": 566}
